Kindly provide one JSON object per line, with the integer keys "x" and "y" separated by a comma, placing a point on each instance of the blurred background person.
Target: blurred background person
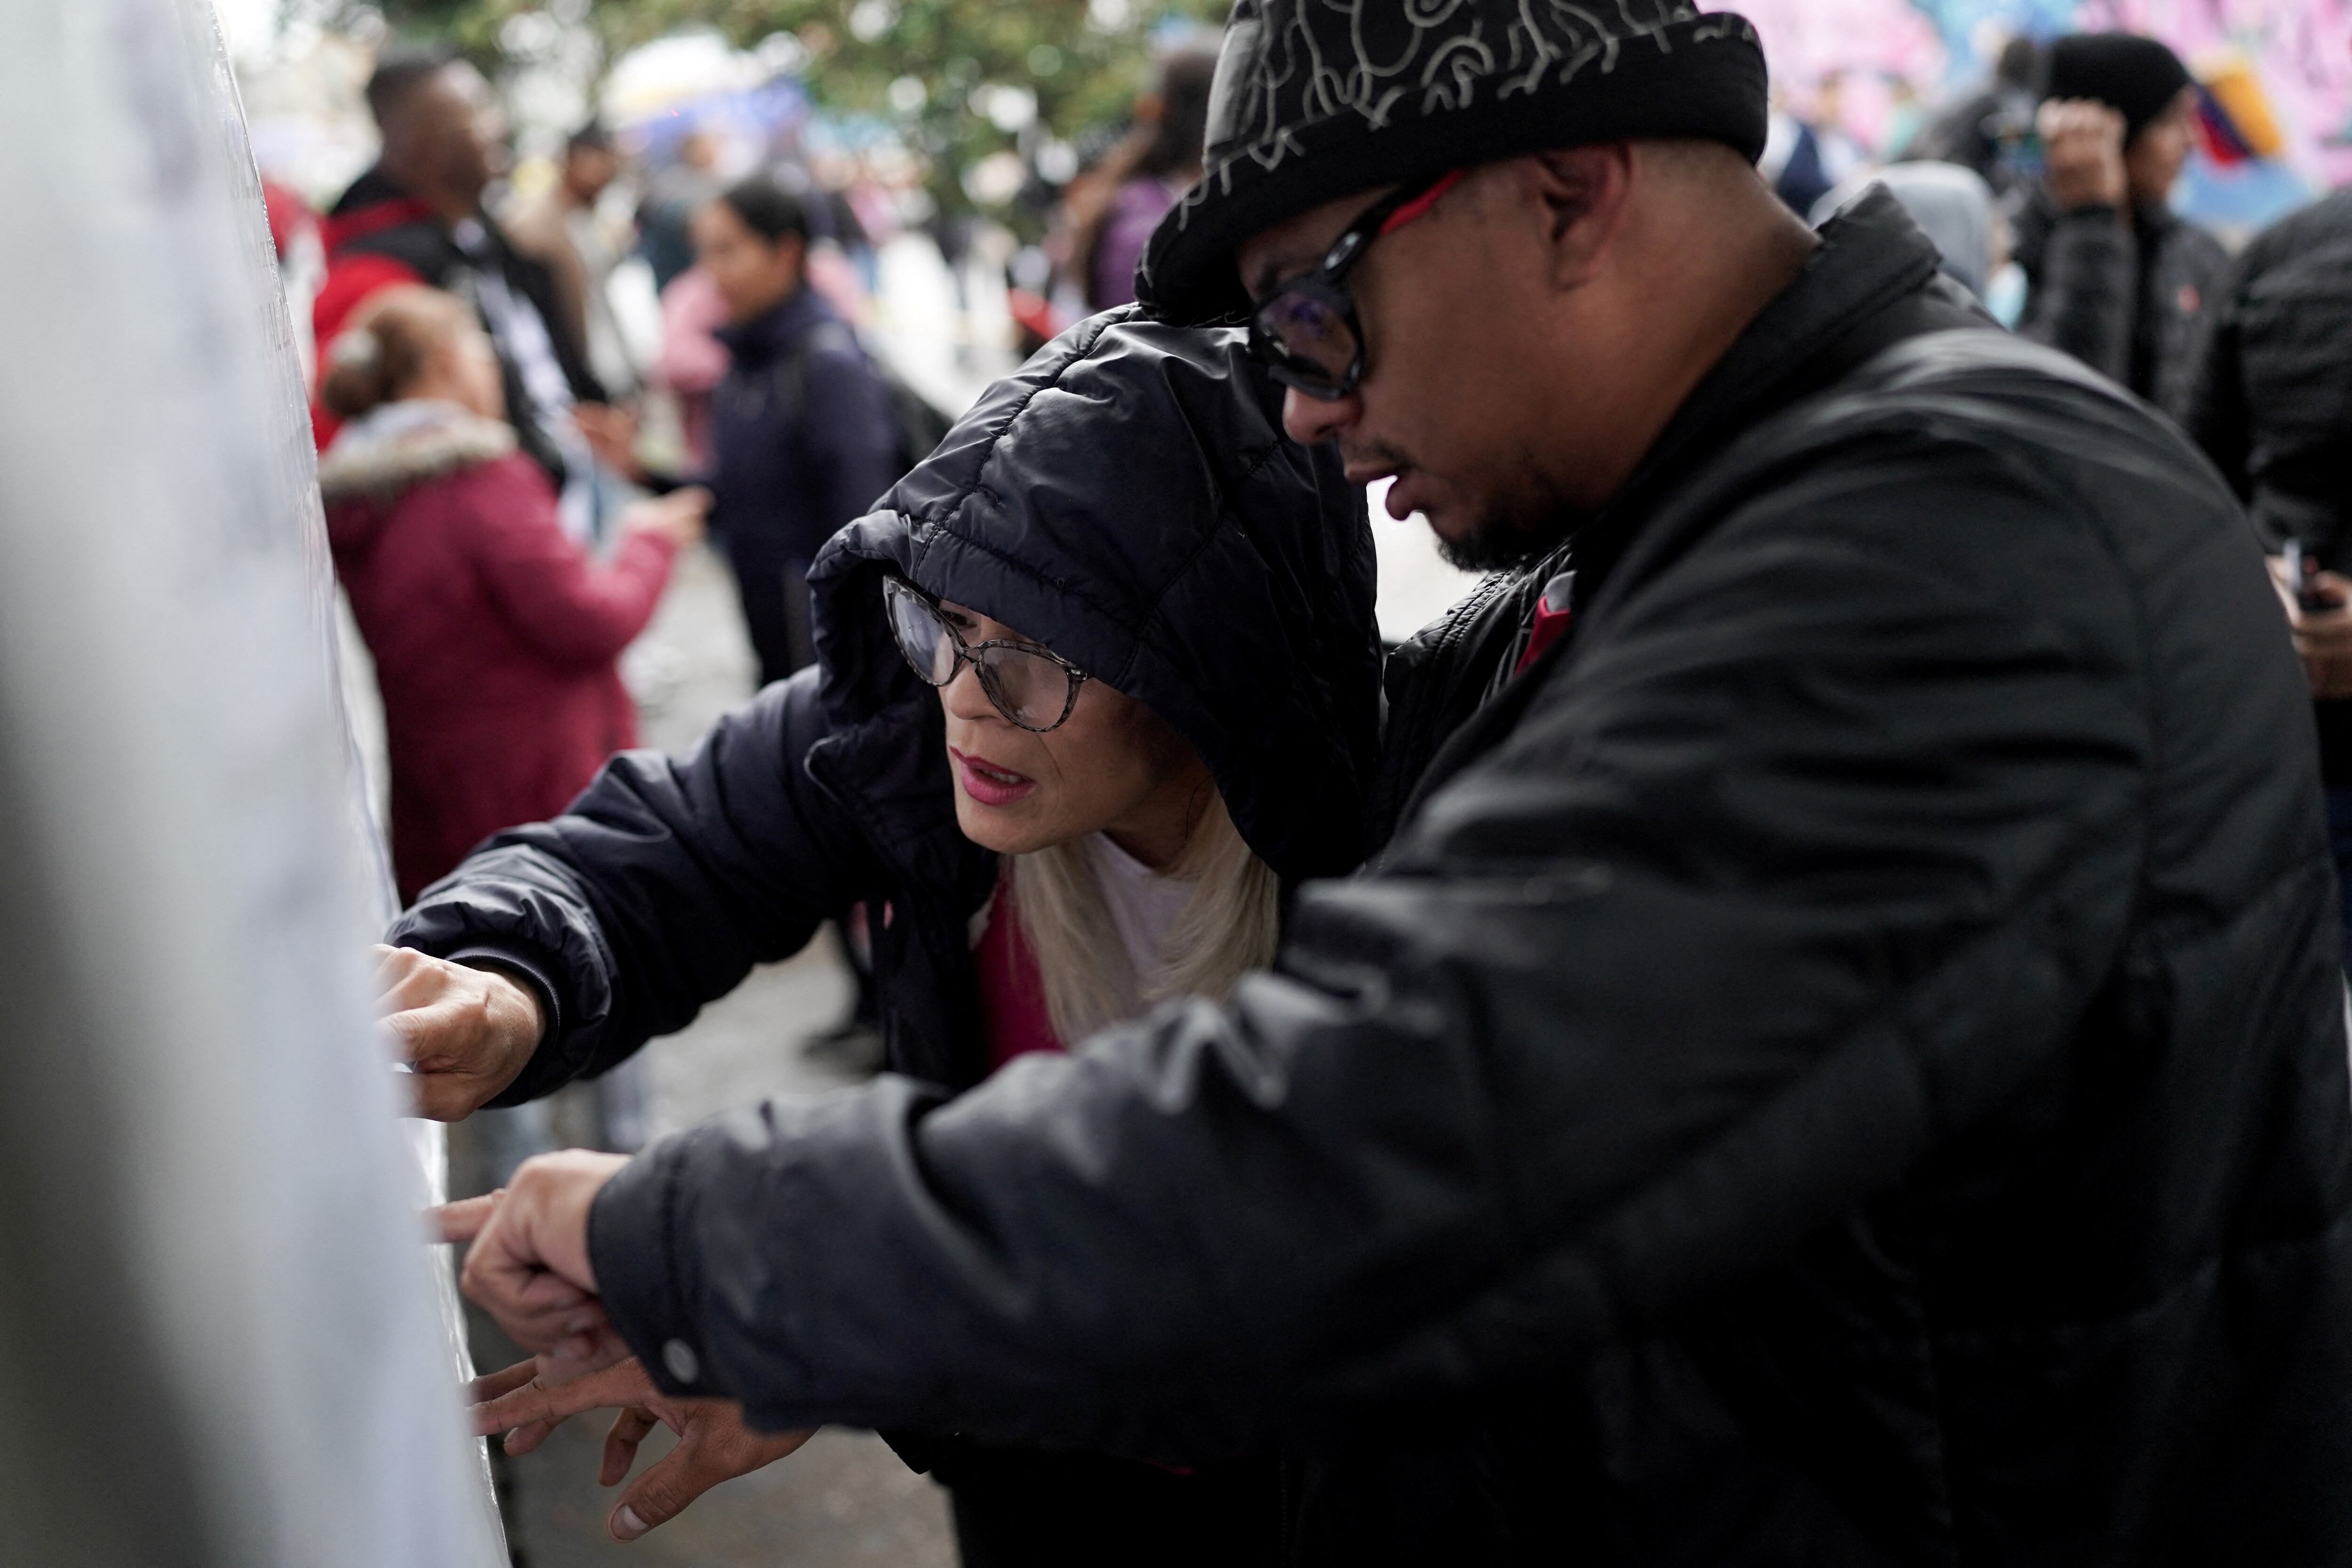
{"x": 417, "y": 218}
{"x": 496, "y": 638}
{"x": 1955, "y": 208}
{"x": 565, "y": 232}
{"x": 692, "y": 361}
{"x": 1807, "y": 152}
{"x": 1986, "y": 131}
{"x": 2114, "y": 276}
{"x": 2269, "y": 405}
{"x": 850, "y": 236}
{"x": 840, "y": 256}
{"x": 494, "y": 635}
{"x": 1141, "y": 178}
{"x": 803, "y": 432}
{"x": 675, "y": 193}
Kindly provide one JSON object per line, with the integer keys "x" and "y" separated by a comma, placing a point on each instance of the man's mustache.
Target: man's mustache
{"x": 1355, "y": 452}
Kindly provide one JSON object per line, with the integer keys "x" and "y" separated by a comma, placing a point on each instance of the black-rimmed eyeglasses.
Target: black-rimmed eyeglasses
{"x": 1306, "y": 332}
{"x": 1031, "y": 686}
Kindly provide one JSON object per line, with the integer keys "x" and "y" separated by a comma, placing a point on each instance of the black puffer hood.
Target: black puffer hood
{"x": 1129, "y": 500}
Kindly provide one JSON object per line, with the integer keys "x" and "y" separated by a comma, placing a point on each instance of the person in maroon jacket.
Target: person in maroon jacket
{"x": 495, "y": 637}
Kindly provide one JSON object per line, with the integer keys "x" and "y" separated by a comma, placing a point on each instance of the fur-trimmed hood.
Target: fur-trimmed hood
{"x": 403, "y": 444}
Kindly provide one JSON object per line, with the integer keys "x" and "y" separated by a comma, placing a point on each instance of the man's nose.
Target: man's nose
{"x": 1310, "y": 420}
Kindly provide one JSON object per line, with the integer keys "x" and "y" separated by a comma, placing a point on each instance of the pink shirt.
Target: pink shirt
{"x": 1011, "y": 995}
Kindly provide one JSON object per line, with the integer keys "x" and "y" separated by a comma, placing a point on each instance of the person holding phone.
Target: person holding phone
{"x": 2269, "y": 405}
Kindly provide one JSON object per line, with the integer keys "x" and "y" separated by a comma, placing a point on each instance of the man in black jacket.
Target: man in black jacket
{"x": 2115, "y": 277}
{"x": 1843, "y": 1060}
{"x": 417, "y": 218}
{"x": 2268, "y": 405}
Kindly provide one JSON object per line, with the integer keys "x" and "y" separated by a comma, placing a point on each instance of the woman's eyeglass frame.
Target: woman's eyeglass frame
{"x": 896, "y": 590}
{"x": 1327, "y": 287}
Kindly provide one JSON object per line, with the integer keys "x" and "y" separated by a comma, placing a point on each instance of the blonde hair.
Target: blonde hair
{"x": 1225, "y": 929}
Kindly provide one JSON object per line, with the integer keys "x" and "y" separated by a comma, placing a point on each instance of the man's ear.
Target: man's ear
{"x": 1584, "y": 192}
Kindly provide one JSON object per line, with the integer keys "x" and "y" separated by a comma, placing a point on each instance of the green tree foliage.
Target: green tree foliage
{"x": 940, "y": 70}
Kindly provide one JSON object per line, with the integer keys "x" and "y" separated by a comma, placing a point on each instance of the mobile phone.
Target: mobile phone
{"x": 2299, "y": 575}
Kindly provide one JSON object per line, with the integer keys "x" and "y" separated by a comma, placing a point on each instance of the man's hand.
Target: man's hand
{"x": 530, "y": 1400}
{"x": 2083, "y": 145}
{"x": 527, "y": 1266}
{"x": 612, "y": 434}
{"x": 2322, "y": 636}
{"x": 677, "y": 517}
{"x": 467, "y": 1032}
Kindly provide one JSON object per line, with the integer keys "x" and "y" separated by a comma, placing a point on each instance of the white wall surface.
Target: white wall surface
{"x": 219, "y": 1338}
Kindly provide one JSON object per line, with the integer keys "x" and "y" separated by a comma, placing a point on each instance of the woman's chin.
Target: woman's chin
{"x": 1008, "y": 829}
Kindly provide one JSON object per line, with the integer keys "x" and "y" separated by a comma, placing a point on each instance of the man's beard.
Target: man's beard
{"x": 1515, "y": 528}
{"x": 1510, "y": 535}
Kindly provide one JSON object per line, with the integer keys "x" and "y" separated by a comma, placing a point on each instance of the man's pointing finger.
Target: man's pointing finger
{"x": 463, "y": 1220}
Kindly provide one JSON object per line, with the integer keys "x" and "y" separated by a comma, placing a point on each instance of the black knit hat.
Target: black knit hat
{"x": 1314, "y": 101}
{"x": 2138, "y": 78}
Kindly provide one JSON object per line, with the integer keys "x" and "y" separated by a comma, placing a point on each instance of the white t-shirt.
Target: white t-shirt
{"x": 1143, "y": 904}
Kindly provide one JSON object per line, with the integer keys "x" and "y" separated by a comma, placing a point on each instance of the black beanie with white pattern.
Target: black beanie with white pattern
{"x": 1316, "y": 100}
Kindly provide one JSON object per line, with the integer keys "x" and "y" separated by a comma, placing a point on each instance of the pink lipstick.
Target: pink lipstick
{"x": 988, "y": 784}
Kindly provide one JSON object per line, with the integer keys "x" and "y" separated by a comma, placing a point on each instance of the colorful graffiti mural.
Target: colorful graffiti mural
{"x": 2300, "y": 51}
{"x": 1871, "y": 65}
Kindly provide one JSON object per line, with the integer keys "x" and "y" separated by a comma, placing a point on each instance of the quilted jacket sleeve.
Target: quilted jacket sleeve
{"x": 1805, "y": 861}
{"x": 2214, "y": 411}
{"x": 660, "y": 888}
{"x": 2086, "y": 300}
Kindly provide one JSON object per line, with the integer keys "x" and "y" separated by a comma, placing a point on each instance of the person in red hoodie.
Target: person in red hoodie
{"x": 496, "y": 638}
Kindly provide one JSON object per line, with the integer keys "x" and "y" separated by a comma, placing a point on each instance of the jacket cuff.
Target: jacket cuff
{"x": 630, "y": 1230}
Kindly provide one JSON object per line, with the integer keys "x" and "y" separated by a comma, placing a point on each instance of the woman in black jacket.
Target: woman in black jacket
{"x": 1096, "y": 684}
{"x": 803, "y": 434}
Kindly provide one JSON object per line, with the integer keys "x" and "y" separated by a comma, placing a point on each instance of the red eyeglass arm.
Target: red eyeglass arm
{"x": 1421, "y": 204}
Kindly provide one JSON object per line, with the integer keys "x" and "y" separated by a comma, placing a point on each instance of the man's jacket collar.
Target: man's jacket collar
{"x": 1872, "y": 282}
{"x": 1872, "y": 257}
